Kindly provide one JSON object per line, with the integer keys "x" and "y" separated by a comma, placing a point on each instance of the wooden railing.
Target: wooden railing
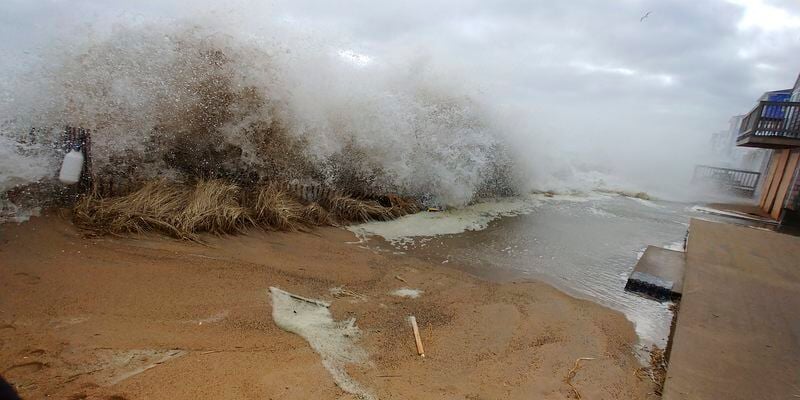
{"x": 779, "y": 119}
{"x": 735, "y": 180}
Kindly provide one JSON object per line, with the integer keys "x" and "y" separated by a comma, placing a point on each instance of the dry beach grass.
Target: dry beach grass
{"x": 219, "y": 207}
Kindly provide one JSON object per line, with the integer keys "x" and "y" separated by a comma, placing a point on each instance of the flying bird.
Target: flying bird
{"x": 644, "y": 17}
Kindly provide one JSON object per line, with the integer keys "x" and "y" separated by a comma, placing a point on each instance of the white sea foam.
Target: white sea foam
{"x": 645, "y": 202}
{"x": 406, "y": 292}
{"x": 335, "y": 341}
{"x": 600, "y": 212}
{"x": 474, "y": 217}
{"x": 422, "y": 226}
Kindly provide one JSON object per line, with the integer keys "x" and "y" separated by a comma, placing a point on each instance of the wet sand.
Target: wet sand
{"x": 154, "y": 318}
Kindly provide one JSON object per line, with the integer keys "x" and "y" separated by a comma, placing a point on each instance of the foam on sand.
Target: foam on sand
{"x": 406, "y": 292}
{"x": 475, "y": 217}
{"x": 426, "y": 224}
{"x": 334, "y": 341}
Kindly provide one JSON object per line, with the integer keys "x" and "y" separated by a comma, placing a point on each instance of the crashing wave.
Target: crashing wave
{"x": 188, "y": 103}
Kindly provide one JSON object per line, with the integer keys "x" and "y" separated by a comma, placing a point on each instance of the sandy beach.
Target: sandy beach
{"x": 155, "y": 318}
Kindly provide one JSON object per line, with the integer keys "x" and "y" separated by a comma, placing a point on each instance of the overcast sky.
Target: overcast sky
{"x": 586, "y": 71}
{"x": 594, "y": 65}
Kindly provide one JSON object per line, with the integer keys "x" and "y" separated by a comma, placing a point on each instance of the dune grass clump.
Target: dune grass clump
{"x": 275, "y": 208}
{"x": 315, "y": 214}
{"x": 171, "y": 208}
{"x": 151, "y": 208}
{"x": 213, "y": 206}
{"x": 218, "y": 207}
{"x": 348, "y": 209}
{"x": 400, "y": 206}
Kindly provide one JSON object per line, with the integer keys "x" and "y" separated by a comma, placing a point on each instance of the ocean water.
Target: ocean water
{"x": 584, "y": 245}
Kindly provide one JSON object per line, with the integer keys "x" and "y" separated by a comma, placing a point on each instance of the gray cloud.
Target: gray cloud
{"x": 685, "y": 56}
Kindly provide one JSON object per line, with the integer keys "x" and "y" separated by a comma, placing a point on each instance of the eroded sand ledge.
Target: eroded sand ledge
{"x": 77, "y": 314}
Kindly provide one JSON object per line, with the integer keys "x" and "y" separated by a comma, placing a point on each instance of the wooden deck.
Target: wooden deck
{"x": 751, "y": 210}
{"x": 771, "y": 124}
{"x": 737, "y": 334}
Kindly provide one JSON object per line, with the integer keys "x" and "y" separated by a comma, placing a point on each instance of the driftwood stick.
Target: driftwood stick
{"x": 301, "y": 298}
{"x": 420, "y": 349}
{"x": 312, "y": 301}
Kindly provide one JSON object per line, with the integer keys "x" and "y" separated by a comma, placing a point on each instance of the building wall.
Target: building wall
{"x": 781, "y": 185}
{"x": 763, "y": 168}
{"x": 793, "y": 199}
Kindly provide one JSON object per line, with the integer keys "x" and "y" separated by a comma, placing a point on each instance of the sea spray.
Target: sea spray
{"x": 22, "y": 161}
{"x": 191, "y": 102}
